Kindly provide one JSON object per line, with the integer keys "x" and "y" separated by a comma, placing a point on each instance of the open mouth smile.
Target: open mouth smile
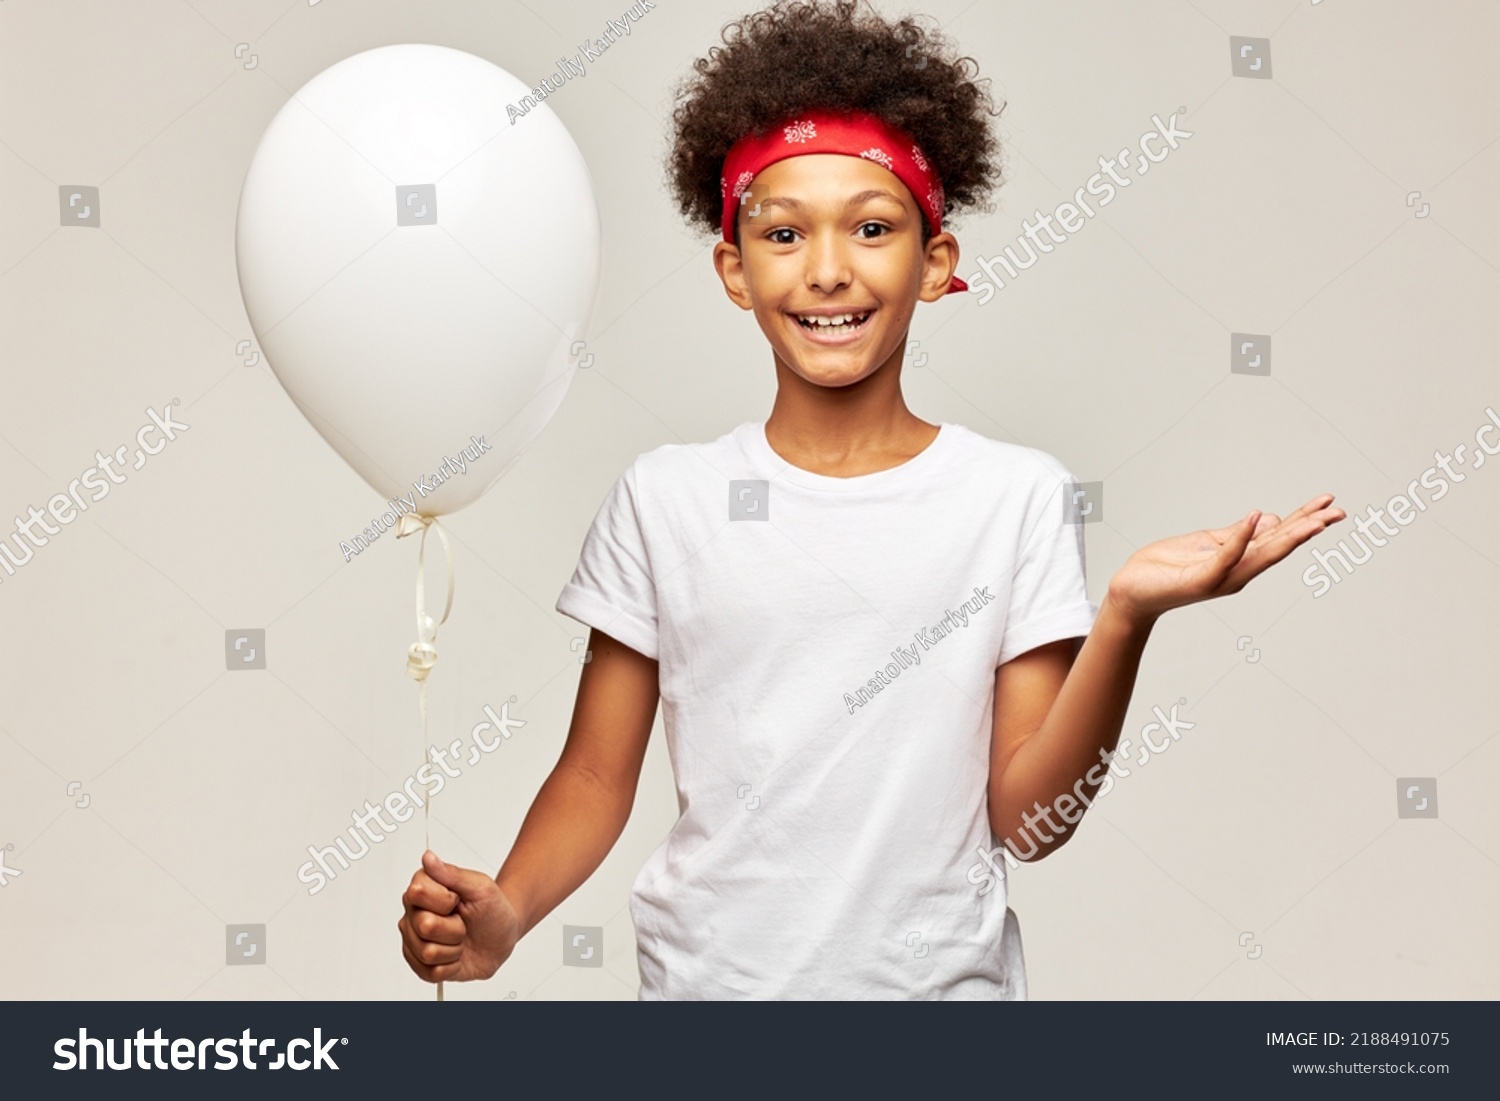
{"x": 838, "y": 328}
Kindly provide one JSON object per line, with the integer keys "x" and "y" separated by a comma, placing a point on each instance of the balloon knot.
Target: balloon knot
{"x": 410, "y": 523}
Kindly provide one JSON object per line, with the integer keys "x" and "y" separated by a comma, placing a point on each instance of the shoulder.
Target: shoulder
{"x": 669, "y": 464}
{"x": 1039, "y": 472}
{"x": 659, "y": 481}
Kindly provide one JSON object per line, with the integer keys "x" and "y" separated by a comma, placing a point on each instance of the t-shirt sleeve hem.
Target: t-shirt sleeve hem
{"x": 1073, "y": 621}
{"x": 622, "y": 624}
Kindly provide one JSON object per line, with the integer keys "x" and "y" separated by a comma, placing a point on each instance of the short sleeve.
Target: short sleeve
{"x": 1048, "y": 596}
{"x": 612, "y": 588}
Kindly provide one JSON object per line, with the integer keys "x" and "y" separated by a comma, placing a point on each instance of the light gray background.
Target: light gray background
{"x": 1285, "y": 214}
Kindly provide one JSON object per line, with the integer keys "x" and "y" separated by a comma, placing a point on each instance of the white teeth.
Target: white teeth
{"x": 837, "y": 320}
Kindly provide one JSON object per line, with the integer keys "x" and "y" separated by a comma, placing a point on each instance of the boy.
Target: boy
{"x": 869, "y": 665}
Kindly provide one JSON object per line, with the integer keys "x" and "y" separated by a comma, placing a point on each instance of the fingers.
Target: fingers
{"x": 421, "y": 970}
{"x": 429, "y": 953}
{"x": 1313, "y": 517}
{"x": 1269, "y": 523}
{"x": 432, "y": 934}
{"x": 1271, "y": 530}
{"x": 440, "y": 930}
{"x": 1236, "y": 537}
{"x": 1317, "y": 504}
{"x": 1302, "y": 525}
{"x": 1275, "y": 544}
{"x": 442, "y": 972}
{"x": 426, "y": 893}
{"x": 1232, "y": 546}
{"x": 1263, "y": 521}
{"x": 464, "y": 882}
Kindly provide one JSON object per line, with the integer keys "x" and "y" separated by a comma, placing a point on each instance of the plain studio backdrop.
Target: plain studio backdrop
{"x": 1340, "y": 211}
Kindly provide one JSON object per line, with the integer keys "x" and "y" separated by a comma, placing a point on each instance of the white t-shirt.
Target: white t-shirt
{"x": 827, "y": 675}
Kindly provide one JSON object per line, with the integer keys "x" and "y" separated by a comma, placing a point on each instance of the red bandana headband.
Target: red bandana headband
{"x": 857, "y": 134}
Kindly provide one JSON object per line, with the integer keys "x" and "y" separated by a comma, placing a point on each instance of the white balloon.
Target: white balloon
{"x": 404, "y": 344}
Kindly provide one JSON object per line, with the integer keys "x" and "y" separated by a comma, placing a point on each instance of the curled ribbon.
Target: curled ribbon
{"x": 422, "y": 654}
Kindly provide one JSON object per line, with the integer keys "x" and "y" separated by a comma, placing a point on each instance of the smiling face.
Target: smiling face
{"x": 834, "y": 235}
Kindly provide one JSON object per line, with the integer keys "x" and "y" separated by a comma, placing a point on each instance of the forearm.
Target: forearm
{"x": 1078, "y": 734}
{"x": 573, "y": 822}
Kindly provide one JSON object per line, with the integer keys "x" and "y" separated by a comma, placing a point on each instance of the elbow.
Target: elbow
{"x": 1033, "y": 841}
{"x": 1031, "y": 850}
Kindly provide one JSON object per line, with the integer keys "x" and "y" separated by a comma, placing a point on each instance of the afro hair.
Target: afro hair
{"x": 809, "y": 55}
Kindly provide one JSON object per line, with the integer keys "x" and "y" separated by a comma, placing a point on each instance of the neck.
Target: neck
{"x": 846, "y": 431}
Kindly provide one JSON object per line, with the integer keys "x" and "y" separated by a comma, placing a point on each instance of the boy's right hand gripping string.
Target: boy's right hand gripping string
{"x": 422, "y": 654}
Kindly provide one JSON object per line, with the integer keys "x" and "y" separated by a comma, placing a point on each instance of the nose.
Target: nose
{"x": 827, "y": 262}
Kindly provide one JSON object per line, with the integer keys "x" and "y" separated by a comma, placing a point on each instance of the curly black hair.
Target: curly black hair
{"x": 805, "y": 54}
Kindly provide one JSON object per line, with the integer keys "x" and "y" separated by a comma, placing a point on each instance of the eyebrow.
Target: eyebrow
{"x": 854, "y": 200}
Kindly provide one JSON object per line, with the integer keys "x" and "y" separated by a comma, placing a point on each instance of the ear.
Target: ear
{"x": 941, "y": 265}
{"x": 731, "y": 268}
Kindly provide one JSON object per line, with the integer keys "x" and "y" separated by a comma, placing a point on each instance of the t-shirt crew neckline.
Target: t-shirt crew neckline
{"x": 892, "y": 476}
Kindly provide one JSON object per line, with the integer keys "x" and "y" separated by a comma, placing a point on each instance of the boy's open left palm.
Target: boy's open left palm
{"x": 1201, "y": 565}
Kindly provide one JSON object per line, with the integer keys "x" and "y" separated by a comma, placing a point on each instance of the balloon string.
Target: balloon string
{"x": 427, "y": 804}
{"x": 422, "y": 654}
